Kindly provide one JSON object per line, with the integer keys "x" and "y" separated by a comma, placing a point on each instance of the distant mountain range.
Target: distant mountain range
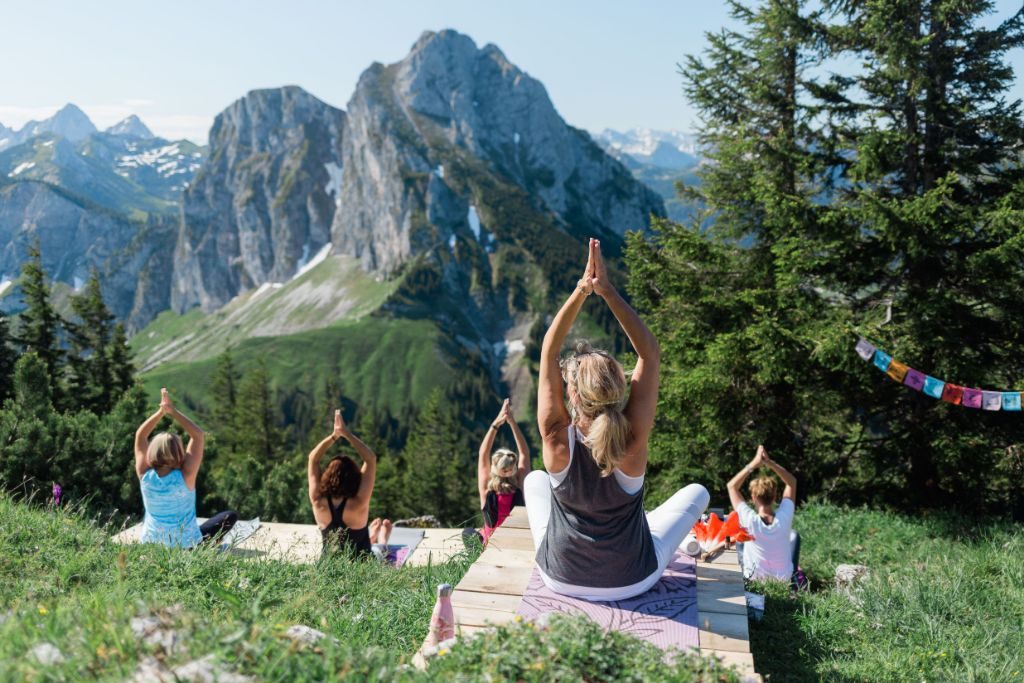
{"x": 448, "y": 197}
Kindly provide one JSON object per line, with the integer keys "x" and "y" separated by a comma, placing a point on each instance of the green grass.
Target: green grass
{"x": 944, "y": 602}
{"x": 62, "y": 581}
{"x": 379, "y": 363}
{"x": 336, "y": 290}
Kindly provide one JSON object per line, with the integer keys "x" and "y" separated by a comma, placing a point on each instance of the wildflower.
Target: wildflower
{"x": 518, "y": 618}
{"x": 442, "y": 652}
{"x": 43, "y": 610}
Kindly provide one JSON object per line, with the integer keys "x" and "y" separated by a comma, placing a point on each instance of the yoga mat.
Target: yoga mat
{"x": 243, "y": 529}
{"x": 402, "y": 543}
{"x": 665, "y": 616}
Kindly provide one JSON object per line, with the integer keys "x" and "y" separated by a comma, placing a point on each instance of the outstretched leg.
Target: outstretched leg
{"x": 673, "y": 519}
{"x": 537, "y": 492}
{"x": 219, "y": 524}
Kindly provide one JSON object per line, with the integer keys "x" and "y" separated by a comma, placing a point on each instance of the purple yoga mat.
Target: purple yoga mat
{"x": 665, "y": 616}
{"x": 397, "y": 555}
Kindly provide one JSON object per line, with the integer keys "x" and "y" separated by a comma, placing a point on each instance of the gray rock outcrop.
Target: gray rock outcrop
{"x": 265, "y": 199}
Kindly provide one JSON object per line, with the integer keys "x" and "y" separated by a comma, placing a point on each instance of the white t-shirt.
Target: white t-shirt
{"x": 769, "y": 555}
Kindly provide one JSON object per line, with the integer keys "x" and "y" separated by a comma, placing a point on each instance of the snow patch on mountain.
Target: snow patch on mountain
{"x": 21, "y": 168}
{"x": 318, "y": 258}
{"x": 474, "y": 221}
{"x": 168, "y": 160}
{"x": 334, "y": 181}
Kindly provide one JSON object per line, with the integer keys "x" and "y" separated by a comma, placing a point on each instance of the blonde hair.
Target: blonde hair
{"x": 503, "y": 460}
{"x": 764, "y": 490}
{"x": 166, "y": 450}
{"x": 599, "y": 388}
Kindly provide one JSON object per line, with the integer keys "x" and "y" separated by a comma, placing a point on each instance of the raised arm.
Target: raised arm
{"x": 312, "y": 466}
{"x": 483, "y": 464}
{"x": 786, "y": 476}
{"x": 521, "y": 446}
{"x": 142, "y": 440}
{"x": 369, "y": 468}
{"x": 735, "y": 496}
{"x": 643, "y": 394}
{"x": 552, "y": 417}
{"x": 196, "y": 440}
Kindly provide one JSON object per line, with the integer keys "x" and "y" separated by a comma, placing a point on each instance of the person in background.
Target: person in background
{"x": 340, "y": 494}
{"x": 167, "y": 471}
{"x": 500, "y": 474}
{"x": 775, "y": 551}
{"x": 586, "y": 512}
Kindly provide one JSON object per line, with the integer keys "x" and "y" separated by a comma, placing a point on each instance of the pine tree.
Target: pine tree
{"x": 734, "y": 325}
{"x": 39, "y": 323}
{"x": 928, "y": 228}
{"x": 224, "y": 412}
{"x": 8, "y": 357}
{"x": 122, "y": 369}
{"x": 90, "y": 377}
{"x": 438, "y": 465}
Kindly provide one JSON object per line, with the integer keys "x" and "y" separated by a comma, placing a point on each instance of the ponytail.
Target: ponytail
{"x": 599, "y": 385}
{"x": 607, "y": 438}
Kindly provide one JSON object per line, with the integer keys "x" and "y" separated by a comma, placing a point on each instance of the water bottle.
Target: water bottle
{"x": 442, "y": 621}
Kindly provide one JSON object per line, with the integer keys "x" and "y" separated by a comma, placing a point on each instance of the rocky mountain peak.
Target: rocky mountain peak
{"x": 131, "y": 126}
{"x": 263, "y": 202}
{"x": 69, "y": 122}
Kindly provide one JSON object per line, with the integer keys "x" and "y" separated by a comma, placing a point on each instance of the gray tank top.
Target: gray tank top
{"x": 597, "y": 535}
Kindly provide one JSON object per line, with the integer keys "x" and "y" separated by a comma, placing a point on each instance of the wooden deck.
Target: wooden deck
{"x": 301, "y": 543}
{"x": 490, "y": 592}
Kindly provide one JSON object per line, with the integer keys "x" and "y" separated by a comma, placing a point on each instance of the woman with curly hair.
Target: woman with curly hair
{"x": 340, "y": 495}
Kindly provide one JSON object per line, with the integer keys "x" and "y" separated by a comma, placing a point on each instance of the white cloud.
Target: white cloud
{"x": 139, "y": 103}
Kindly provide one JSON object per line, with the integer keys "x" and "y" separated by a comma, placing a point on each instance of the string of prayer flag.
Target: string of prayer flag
{"x": 968, "y": 397}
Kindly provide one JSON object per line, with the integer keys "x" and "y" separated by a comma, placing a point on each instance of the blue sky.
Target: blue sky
{"x": 605, "y": 64}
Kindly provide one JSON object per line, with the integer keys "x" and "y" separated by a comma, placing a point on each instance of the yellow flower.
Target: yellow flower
{"x": 442, "y": 652}
{"x": 43, "y": 610}
{"x": 518, "y": 618}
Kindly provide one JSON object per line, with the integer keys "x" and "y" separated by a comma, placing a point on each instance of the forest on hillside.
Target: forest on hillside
{"x": 885, "y": 202}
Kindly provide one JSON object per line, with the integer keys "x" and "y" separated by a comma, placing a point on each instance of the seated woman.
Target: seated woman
{"x": 775, "y": 551}
{"x": 586, "y": 512}
{"x": 167, "y": 472}
{"x": 340, "y": 494}
{"x": 500, "y": 474}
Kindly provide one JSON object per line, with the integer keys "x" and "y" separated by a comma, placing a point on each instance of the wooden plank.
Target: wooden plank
{"x": 506, "y": 558}
{"x": 497, "y": 602}
{"x": 517, "y": 519}
{"x": 723, "y": 632}
{"x": 742, "y": 661}
{"x": 493, "y": 579}
{"x": 468, "y": 616}
{"x": 512, "y": 539}
{"x": 719, "y": 597}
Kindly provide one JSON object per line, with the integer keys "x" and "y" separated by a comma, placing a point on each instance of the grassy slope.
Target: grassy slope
{"x": 63, "y": 582}
{"x": 378, "y": 362}
{"x": 943, "y": 602}
{"x": 336, "y": 289}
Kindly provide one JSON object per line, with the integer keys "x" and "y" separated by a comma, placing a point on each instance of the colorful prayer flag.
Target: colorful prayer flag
{"x": 952, "y": 393}
{"x": 897, "y": 370}
{"x": 865, "y": 349}
{"x": 882, "y": 360}
{"x": 914, "y": 379}
{"x": 933, "y": 387}
{"x": 972, "y": 398}
{"x": 992, "y": 400}
{"x": 1011, "y": 400}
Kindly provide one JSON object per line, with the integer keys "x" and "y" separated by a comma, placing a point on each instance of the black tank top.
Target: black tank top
{"x": 597, "y": 534}
{"x": 337, "y": 536}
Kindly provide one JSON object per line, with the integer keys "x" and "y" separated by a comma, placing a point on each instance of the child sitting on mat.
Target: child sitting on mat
{"x": 775, "y": 551}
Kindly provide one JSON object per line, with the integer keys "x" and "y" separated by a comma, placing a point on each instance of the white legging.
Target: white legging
{"x": 669, "y": 524}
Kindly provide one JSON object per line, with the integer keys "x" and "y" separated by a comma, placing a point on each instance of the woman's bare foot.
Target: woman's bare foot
{"x": 375, "y": 526}
{"x": 387, "y": 526}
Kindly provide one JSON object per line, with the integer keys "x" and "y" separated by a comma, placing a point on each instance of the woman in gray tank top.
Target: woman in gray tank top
{"x": 586, "y": 513}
